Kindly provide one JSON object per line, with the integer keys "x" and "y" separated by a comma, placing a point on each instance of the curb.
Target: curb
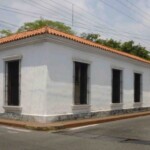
{"x": 69, "y": 124}
{"x": 12, "y": 123}
{"x": 101, "y": 120}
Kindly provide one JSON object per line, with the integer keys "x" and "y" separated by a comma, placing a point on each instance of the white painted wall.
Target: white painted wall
{"x": 60, "y": 79}
{"x": 47, "y": 78}
{"x": 33, "y": 78}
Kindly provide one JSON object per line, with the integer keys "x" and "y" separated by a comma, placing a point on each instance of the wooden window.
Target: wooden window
{"x": 116, "y": 86}
{"x": 137, "y": 87}
{"x": 81, "y": 83}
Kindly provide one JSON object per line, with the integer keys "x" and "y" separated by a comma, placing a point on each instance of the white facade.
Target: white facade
{"x": 47, "y": 77}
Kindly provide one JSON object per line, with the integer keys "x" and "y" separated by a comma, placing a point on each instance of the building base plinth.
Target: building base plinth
{"x": 57, "y": 118}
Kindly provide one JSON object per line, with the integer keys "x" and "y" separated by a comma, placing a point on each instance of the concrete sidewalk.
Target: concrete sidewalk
{"x": 69, "y": 124}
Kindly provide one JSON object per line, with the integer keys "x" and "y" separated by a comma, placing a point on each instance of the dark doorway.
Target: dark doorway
{"x": 81, "y": 83}
{"x": 116, "y": 86}
{"x": 12, "y": 83}
{"x": 137, "y": 87}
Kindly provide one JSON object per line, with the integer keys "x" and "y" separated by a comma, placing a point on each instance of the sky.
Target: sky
{"x": 122, "y": 20}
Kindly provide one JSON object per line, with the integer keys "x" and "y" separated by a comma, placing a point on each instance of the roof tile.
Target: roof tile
{"x": 49, "y": 30}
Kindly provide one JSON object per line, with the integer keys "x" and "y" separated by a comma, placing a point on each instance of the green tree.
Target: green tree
{"x": 112, "y": 43}
{"x": 91, "y": 36}
{"x": 42, "y": 23}
{"x": 137, "y": 50}
{"x": 5, "y": 32}
{"x": 96, "y": 38}
{"x": 128, "y": 47}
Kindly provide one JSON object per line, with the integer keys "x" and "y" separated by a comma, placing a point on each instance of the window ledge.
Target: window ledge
{"x": 12, "y": 109}
{"x": 115, "y": 106}
{"x": 81, "y": 108}
{"x": 137, "y": 104}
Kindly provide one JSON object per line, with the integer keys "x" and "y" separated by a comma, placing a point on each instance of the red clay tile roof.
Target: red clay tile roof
{"x": 48, "y": 30}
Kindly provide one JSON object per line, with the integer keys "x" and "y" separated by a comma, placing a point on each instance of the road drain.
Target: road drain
{"x": 136, "y": 141}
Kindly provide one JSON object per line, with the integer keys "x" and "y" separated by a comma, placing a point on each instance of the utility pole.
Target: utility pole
{"x": 72, "y": 15}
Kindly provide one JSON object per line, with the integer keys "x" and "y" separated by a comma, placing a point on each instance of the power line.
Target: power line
{"x": 43, "y": 7}
{"x": 38, "y": 6}
{"x": 98, "y": 24}
{"x": 20, "y": 12}
{"x": 70, "y": 9}
{"x": 76, "y": 27}
{"x": 104, "y": 21}
{"x": 116, "y": 34}
{"x": 5, "y": 22}
{"x": 26, "y": 13}
{"x": 5, "y": 26}
{"x": 94, "y": 27}
{"x": 138, "y": 8}
{"x": 108, "y": 28}
{"x": 138, "y": 12}
{"x": 55, "y": 7}
{"x": 123, "y": 13}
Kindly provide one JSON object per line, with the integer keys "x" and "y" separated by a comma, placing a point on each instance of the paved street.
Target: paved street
{"x": 131, "y": 134}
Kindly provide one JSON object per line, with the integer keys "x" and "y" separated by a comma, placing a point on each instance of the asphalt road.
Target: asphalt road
{"x": 131, "y": 134}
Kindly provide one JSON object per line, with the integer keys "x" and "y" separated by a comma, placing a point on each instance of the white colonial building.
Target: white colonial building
{"x": 47, "y": 75}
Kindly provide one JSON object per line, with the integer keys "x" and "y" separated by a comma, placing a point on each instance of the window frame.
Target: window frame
{"x": 6, "y": 61}
{"x": 78, "y": 60}
{"x": 121, "y": 85}
{"x": 88, "y": 78}
{"x": 141, "y": 87}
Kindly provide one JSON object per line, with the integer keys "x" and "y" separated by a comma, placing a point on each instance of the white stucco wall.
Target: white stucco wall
{"x": 33, "y": 78}
{"x": 60, "y": 79}
{"x": 47, "y": 77}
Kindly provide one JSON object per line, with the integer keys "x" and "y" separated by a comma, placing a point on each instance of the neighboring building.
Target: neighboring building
{"x": 47, "y": 75}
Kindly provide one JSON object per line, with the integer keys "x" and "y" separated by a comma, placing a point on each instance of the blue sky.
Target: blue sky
{"x": 118, "y": 19}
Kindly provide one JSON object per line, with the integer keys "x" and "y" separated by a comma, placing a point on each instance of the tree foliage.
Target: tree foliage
{"x": 5, "y": 32}
{"x": 128, "y": 47}
{"x": 42, "y": 23}
{"x": 91, "y": 36}
{"x": 28, "y": 26}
